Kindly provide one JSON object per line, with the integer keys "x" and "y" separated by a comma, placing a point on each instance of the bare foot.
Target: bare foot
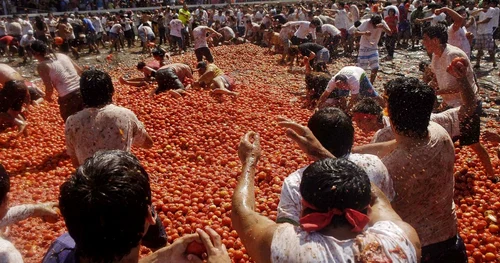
{"x": 174, "y": 94}
{"x": 224, "y": 91}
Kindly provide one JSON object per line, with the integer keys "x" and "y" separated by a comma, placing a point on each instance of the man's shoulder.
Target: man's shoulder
{"x": 364, "y": 160}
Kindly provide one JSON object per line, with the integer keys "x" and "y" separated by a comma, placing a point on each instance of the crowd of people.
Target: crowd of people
{"x": 387, "y": 201}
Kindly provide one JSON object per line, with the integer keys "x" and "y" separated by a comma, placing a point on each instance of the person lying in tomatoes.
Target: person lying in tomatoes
{"x": 13, "y": 96}
{"x": 345, "y": 219}
{"x": 106, "y": 205}
{"x": 214, "y": 78}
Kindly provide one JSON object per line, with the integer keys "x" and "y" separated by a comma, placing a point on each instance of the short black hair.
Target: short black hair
{"x": 105, "y": 204}
{"x": 368, "y": 106}
{"x": 316, "y": 21}
{"x": 201, "y": 64}
{"x": 158, "y": 51}
{"x": 39, "y": 47}
{"x": 97, "y": 88}
{"x": 376, "y": 19}
{"x": 141, "y": 65}
{"x": 341, "y": 77}
{"x": 16, "y": 91}
{"x": 336, "y": 183}
{"x": 334, "y": 130}
{"x": 438, "y": 31}
{"x": 4, "y": 183}
{"x": 410, "y": 103}
{"x": 422, "y": 65}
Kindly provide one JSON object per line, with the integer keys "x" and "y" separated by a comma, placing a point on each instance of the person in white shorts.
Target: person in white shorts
{"x": 370, "y": 32}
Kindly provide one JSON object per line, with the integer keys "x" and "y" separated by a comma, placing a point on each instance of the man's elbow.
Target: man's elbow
{"x": 148, "y": 144}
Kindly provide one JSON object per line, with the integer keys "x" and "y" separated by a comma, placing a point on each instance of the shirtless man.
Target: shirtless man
{"x": 182, "y": 71}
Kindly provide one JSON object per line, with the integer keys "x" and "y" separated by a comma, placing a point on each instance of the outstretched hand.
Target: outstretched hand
{"x": 49, "y": 211}
{"x": 247, "y": 148}
{"x": 306, "y": 140}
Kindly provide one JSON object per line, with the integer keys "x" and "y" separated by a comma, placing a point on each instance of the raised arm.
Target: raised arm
{"x": 458, "y": 20}
{"x": 256, "y": 231}
{"x": 306, "y": 140}
{"x": 380, "y": 149}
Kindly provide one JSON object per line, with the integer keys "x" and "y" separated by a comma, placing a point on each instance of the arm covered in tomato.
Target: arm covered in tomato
{"x": 256, "y": 231}
{"x": 381, "y": 210}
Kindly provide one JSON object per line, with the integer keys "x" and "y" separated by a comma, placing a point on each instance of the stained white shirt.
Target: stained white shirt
{"x": 291, "y": 244}
{"x": 108, "y": 128}
{"x": 290, "y": 205}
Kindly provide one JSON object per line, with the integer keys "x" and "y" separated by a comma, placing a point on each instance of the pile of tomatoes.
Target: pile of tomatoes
{"x": 194, "y": 164}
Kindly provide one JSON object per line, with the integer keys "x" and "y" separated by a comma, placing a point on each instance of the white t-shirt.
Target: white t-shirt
{"x": 445, "y": 80}
{"x": 370, "y": 41}
{"x": 176, "y": 27}
{"x": 8, "y": 253}
{"x": 330, "y": 29}
{"x": 227, "y": 32}
{"x": 200, "y": 37}
{"x": 486, "y": 28}
{"x": 448, "y": 119}
{"x": 423, "y": 179}
{"x": 290, "y": 205}
{"x": 291, "y": 244}
{"x": 26, "y": 40}
{"x": 108, "y": 128}
{"x": 496, "y": 14}
{"x": 437, "y": 18}
{"x": 353, "y": 75}
{"x": 304, "y": 29}
{"x": 342, "y": 21}
{"x": 116, "y": 28}
{"x": 459, "y": 39}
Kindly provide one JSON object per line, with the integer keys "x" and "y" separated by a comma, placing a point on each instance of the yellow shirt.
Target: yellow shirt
{"x": 184, "y": 15}
{"x": 212, "y": 72}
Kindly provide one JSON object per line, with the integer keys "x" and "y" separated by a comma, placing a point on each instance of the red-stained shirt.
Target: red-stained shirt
{"x": 392, "y": 22}
{"x": 6, "y": 40}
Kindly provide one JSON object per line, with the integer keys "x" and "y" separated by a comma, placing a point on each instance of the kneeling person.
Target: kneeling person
{"x": 349, "y": 80}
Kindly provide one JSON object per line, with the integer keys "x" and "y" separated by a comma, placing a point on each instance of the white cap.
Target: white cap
{"x": 30, "y": 32}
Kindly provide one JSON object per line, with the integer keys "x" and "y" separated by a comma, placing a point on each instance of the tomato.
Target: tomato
{"x": 196, "y": 248}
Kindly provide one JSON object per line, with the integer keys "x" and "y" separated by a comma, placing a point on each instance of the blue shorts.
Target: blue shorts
{"x": 366, "y": 88}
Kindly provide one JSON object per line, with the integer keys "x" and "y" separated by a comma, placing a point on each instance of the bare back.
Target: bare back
{"x": 7, "y": 73}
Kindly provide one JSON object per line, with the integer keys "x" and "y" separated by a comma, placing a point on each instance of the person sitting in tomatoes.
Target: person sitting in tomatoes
{"x": 343, "y": 217}
{"x": 106, "y": 205}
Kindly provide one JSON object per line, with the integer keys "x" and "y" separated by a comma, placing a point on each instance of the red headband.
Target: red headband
{"x": 317, "y": 221}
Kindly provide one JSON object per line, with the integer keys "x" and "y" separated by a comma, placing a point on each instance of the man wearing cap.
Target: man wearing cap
{"x": 25, "y": 43}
